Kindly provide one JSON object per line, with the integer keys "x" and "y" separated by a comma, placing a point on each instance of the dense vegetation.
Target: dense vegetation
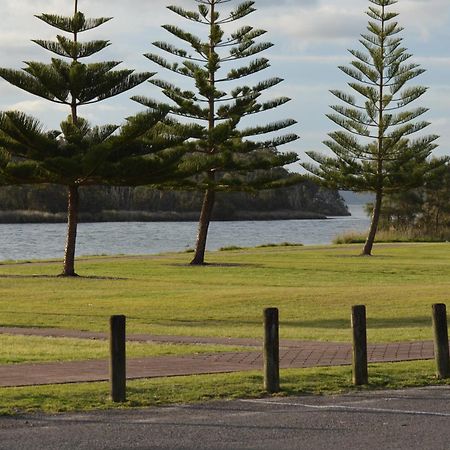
{"x": 418, "y": 215}
{"x": 33, "y": 203}
{"x": 422, "y": 213}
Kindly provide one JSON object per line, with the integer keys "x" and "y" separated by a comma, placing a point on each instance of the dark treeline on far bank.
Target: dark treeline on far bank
{"x": 48, "y": 203}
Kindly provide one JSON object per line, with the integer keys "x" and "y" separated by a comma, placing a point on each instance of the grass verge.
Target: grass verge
{"x": 166, "y": 391}
{"x": 313, "y": 287}
{"x": 28, "y": 349}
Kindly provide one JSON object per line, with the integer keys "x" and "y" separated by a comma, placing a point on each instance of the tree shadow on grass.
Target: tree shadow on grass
{"x": 381, "y": 322}
{"x": 216, "y": 265}
{"x": 338, "y": 323}
{"x": 362, "y": 257}
{"x": 79, "y": 277}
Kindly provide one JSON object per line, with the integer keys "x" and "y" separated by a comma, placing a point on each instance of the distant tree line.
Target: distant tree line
{"x": 423, "y": 212}
{"x": 307, "y": 199}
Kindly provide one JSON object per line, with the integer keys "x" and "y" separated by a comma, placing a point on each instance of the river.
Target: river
{"x": 38, "y": 241}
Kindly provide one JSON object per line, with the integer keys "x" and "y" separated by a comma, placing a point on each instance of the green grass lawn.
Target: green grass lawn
{"x": 314, "y": 288}
{"x": 164, "y": 391}
{"x": 26, "y": 349}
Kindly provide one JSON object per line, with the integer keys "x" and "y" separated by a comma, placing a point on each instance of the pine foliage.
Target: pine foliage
{"x": 374, "y": 149}
{"x": 226, "y": 145}
{"x": 79, "y": 154}
{"x": 214, "y": 66}
{"x": 72, "y": 82}
{"x": 374, "y": 143}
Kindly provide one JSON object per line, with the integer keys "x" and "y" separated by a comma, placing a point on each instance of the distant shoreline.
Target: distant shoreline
{"x": 25, "y": 216}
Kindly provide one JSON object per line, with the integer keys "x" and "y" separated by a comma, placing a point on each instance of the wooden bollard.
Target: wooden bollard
{"x": 271, "y": 351}
{"x": 360, "y": 372}
{"x": 440, "y": 331}
{"x": 117, "y": 362}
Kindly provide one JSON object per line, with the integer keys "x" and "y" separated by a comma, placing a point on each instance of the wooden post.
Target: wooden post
{"x": 271, "y": 351}
{"x": 360, "y": 372}
{"x": 440, "y": 332}
{"x": 117, "y": 361}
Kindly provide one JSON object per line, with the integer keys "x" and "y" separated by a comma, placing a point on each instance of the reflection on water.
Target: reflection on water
{"x": 34, "y": 241}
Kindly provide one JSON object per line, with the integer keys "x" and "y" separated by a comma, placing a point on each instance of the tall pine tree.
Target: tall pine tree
{"x": 374, "y": 151}
{"x": 73, "y": 156}
{"x": 226, "y": 150}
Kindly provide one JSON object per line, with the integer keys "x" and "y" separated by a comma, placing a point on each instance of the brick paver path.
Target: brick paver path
{"x": 293, "y": 354}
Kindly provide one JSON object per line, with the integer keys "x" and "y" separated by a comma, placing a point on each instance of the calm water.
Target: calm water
{"x": 34, "y": 241}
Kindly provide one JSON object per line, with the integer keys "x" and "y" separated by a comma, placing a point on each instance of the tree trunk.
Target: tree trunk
{"x": 367, "y": 250}
{"x": 203, "y": 225}
{"x": 72, "y": 222}
{"x": 209, "y": 198}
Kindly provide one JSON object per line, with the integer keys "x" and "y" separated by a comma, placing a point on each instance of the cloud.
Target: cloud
{"x": 437, "y": 98}
{"x": 424, "y": 17}
{"x": 315, "y": 59}
{"x": 305, "y": 23}
{"x": 303, "y": 3}
{"x": 36, "y": 106}
{"x": 436, "y": 61}
{"x": 315, "y": 23}
{"x": 324, "y": 23}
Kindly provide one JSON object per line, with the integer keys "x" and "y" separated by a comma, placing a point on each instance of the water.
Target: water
{"x": 36, "y": 241}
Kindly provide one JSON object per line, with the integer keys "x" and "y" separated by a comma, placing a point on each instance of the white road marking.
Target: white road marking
{"x": 352, "y": 408}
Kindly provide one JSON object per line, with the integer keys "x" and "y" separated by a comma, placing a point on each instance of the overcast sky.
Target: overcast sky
{"x": 311, "y": 39}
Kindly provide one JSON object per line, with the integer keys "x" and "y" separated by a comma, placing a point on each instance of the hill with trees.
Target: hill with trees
{"x": 48, "y": 203}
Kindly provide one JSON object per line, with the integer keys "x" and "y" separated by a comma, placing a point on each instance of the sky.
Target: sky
{"x": 311, "y": 39}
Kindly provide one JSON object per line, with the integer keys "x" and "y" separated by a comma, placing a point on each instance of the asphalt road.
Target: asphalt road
{"x": 408, "y": 419}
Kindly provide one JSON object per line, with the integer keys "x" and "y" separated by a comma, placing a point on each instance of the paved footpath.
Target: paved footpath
{"x": 293, "y": 354}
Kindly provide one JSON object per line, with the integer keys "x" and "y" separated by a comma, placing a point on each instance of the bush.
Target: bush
{"x": 408, "y": 235}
